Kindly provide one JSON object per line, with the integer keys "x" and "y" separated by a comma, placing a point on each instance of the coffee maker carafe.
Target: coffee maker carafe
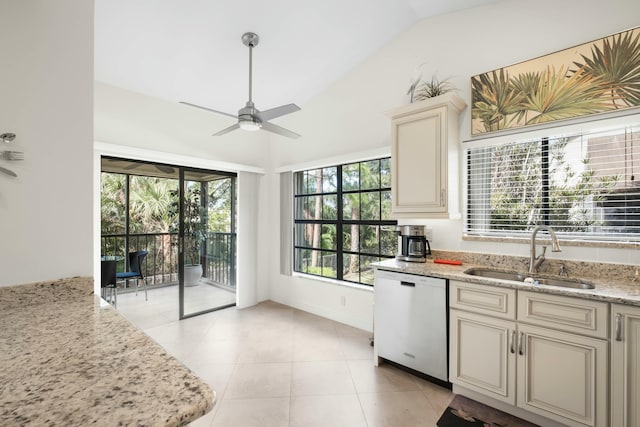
{"x": 413, "y": 244}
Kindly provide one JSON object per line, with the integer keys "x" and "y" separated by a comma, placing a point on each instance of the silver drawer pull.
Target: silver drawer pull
{"x": 513, "y": 342}
{"x": 618, "y": 327}
{"x": 403, "y": 283}
{"x": 521, "y": 344}
{"x": 409, "y": 355}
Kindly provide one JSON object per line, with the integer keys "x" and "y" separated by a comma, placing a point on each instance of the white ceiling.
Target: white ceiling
{"x": 191, "y": 50}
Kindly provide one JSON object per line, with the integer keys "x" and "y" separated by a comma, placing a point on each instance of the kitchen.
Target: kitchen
{"x": 459, "y": 44}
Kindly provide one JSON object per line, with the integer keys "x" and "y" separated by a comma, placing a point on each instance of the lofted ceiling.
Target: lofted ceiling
{"x": 191, "y": 50}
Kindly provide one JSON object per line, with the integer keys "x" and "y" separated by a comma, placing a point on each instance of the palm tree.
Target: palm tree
{"x": 150, "y": 203}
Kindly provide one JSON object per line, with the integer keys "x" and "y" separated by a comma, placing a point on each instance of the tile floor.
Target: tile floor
{"x": 272, "y": 365}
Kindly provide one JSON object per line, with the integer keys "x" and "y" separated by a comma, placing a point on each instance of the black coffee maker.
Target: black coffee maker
{"x": 413, "y": 245}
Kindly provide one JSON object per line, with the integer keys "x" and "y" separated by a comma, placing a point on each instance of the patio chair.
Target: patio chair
{"x": 135, "y": 270}
{"x": 108, "y": 281}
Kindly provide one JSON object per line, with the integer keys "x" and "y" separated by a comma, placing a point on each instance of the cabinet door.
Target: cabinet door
{"x": 419, "y": 162}
{"x": 625, "y": 366}
{"x": 482, "y": 355}
{"x": 562, "y": 376}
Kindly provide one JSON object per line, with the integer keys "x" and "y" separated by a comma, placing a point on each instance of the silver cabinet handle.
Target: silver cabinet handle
{"x": 513, "y": 342}
{"x": 521, "y": 344}
{"x": 618, "y": 327}
{"x": 443, "y": 194}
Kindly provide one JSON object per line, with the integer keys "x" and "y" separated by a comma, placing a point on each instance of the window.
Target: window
{"x": 584, "y": 186}
{"x": 341, "y": 216}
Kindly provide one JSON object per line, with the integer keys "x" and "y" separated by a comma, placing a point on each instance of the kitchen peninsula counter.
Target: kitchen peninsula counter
{"x": 68, "y": 358}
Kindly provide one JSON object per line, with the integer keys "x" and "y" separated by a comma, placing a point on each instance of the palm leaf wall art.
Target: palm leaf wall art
{"x": 596, "y": 77}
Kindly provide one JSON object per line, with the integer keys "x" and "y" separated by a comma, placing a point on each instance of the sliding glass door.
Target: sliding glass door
{"x": 185, "y": 219}
{"x": 207, "y": 254}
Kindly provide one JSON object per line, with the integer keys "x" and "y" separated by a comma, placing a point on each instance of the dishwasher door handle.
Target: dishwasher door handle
{"x": 403, "y": 283}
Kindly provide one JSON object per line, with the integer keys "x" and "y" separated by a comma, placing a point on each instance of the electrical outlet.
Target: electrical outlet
{"x": 343, "y": 301}
{"x": 428, "y": 233}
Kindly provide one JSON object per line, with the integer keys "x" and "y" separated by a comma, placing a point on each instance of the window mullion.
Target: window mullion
{"x": 339, "y": 237}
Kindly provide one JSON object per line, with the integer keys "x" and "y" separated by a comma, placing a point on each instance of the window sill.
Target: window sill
{"x": 334, "y": 281}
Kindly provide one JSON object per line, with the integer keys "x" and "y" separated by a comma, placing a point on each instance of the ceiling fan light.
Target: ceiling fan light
{"x": 249, "y": 125}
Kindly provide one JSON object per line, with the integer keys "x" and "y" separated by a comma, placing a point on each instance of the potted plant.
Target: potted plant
{"x": 420, "y": 89}
{"x": 195, "y": 232}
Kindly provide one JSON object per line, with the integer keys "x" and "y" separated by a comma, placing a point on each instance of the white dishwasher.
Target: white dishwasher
{"x": 410, "y": 323}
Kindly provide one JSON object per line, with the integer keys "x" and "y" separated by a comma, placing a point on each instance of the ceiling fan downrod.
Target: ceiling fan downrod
{"x": 250, "y": 40}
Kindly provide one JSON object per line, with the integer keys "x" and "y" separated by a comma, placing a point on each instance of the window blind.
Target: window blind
{"x": 585, "y": 186}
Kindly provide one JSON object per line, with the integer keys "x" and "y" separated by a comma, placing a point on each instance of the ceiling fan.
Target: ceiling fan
{"x": 250, "y": 118}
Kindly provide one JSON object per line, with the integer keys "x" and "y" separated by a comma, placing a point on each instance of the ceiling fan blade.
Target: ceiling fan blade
{"x": 227, "y": 130}
{"x": 209, "y": 109}
{"x": 270, "y": 127}
{"x": 272, "y": 113}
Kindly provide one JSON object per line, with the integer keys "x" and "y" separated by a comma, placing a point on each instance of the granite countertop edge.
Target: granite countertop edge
{"x": 69, "y": 358}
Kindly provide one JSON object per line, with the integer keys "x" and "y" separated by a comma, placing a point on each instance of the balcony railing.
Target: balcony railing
{"x": 161, "y": 265}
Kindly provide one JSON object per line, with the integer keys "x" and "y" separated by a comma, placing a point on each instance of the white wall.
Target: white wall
{"x": 247, "y": 246}
{"x": 349, "y": 116}
{"x": 46, "y": 98}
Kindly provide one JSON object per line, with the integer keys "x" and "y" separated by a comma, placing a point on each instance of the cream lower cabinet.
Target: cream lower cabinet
{"x": 554, "y": 373}
{"x": 481, "y": 355}
{"x": 562, "y": 376}
{"x": 625, "y": 366}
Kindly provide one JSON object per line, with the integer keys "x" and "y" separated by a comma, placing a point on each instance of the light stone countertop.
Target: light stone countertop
{"x": 613, "y": 282}
{"x": 68, "y": 358}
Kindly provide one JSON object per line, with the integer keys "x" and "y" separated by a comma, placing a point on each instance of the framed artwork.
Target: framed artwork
{"x": 595, "y": 77}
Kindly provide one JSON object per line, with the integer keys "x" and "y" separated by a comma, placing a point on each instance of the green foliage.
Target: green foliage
{"x": 366, "y": 196}
{"x": 195, "y": 221}
{"x": 516, "y": 188}
{"x": 431, "y": 89}
{"x": 321, "y": 271}
{"x": 153, "y": 208}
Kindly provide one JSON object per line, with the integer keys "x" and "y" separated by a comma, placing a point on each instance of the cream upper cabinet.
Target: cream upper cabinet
{"x": 625, "y": 366}
{"x": 424, "y": 158}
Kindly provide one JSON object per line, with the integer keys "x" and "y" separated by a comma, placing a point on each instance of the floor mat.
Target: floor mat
{"x": 464, "y": 412}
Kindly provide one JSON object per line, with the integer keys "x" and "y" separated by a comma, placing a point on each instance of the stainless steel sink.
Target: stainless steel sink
{"x": 537, "y": 280}
{"x": 565, "y": 283}
{"x": 496, "y": 274}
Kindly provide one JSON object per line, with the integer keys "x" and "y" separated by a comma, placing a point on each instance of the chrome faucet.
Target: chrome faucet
{"x": 536, "y": 261}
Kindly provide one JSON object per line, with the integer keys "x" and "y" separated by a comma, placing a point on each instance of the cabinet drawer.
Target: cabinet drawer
{"x": 577, "y": 315}
{"x": 483, "y": 299}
